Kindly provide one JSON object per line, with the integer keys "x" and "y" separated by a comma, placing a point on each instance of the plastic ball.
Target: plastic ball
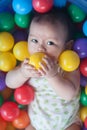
{"x": 59, "y": 3}
{"x": 83, "y": 113}
{"x": 42, "y": 6}
{"x": 85, "y": 28}
{"x": 20, "y": 35}
{"x": 3, "y": 5}
{"x": 6, "y": 41}
{"x": 22, "y": 6}
{"x": 20, "y": 106}
{"x": 83, "y": 98}
{"x": 84, "y": 128}
{"x": 20, "y": 50}
{"x": 7, "y": 61}
{"x": 86, "y": 89}
{"x": 35, "y": 59}
{"x": 69, "y": 60}
{"x": 2, "y": 81}
{"x": 1, "y": 100}
{"x": 83, "y": 81}
{"x": 3, "y": 124}
{"x": 9, "y": 111}
{"x": 10, "y": 126}
{"x": 22, "y": 20}
{"x": 6, "y": 93}
{"x": 7, "y": 22}
{"x": 22, "y": 121}
{"x": 80, "y": 46}
{"x": 85, "y": 122}
{"x": 77, "y": 14}
{"x": 83, "y": 67}
{"x": 24, "y": 94}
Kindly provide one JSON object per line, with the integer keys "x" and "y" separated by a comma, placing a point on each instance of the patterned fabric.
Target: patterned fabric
{"x": 49, "y": 111}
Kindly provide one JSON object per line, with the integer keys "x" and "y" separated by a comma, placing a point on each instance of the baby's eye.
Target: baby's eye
{"x": 34, "y": 41}
{"x": 50, "y": 43}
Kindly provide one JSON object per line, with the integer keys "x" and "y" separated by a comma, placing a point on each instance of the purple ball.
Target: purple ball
{"x": 80, "y": 46}
{"x": 84, "y": 128}
{"x": 2, "y": 81}
{"x": 20, "y": 35}
{"x": 83, "y": 81}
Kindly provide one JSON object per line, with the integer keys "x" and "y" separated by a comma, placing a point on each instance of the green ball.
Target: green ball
{"x": 1, "y": 100}
{"x": 83, "y": 98}
{"x": 77, "y": 14}
{"x": 21, "y": 106}
{"x": 7, "y": 22}
{"x": 22, "y": 20}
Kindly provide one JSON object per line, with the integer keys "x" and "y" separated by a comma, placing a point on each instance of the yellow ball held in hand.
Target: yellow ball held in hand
{"x": 69, "y": 60}
{"x": 6, "y": 41}
{"x": 36, "y": 58}
{"x": 20, "y": 50}
{"x": 7, "y": 61}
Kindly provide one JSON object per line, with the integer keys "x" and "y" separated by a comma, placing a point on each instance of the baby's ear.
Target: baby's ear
{"x": 69, "y": 45}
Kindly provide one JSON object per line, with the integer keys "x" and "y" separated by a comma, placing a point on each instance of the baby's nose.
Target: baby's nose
{"x": 41, "y": 48}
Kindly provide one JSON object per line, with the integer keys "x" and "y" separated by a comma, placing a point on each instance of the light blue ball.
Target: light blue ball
{"x": 85, "y": 28}
{"x": 22, "y": 6}
{"x": 60, "y": 3}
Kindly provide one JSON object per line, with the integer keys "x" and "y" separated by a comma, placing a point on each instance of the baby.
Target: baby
{"x": 56, "y": 102}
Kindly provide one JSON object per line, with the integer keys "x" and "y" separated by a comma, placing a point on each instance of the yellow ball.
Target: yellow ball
{"x": 20, "y": 50}
{"x": 6, "y": 41}
{"x": 69, "y": 60}
{"x": 7, "y": 61}
{"x": 83, "y": 113}
{"x": 36, "y": 58}
{"x": 86, "y": 89}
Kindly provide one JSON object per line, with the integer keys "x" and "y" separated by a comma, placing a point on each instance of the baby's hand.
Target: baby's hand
{"x": 50, "y": 68}
{"x": 28, "y": 70}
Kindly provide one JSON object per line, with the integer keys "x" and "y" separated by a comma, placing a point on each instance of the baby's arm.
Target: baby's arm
{"x": 17, "y": 77}
{"x": 66, "y": 85}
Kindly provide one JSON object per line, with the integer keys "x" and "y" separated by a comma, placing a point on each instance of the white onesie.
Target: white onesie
{"x": 48, "y": 111}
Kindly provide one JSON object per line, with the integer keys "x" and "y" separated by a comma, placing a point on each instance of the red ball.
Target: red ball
{"x": 9, "y": 111}
{"x": 3, "y": 124}
{"x": 42, "y": 6}
{"x": 24, "y": 94}
{"x": 85, "y": 122}
{"x": 83, "y": 67}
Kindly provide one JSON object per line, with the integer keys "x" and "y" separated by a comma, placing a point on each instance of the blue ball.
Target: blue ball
{"x": 85, "y": 28}
{"x": 59, "y": 3}
{"x": 22, "y": 6}
{"x": 4, "y": 5}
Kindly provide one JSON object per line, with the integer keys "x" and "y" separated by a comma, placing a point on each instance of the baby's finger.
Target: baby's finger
{"x": 26, "y": 60}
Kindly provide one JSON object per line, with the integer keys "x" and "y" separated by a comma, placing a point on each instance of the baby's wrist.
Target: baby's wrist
{"x": 23, "y": 75}
{"x": 53, "y": 76}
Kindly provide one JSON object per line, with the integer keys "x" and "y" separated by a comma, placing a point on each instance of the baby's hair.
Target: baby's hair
{"x": 56, "y": 15}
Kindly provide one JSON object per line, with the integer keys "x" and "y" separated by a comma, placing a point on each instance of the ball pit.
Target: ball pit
{"x": 15, "y": 16}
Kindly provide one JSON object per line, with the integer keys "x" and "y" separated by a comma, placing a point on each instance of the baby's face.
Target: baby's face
{"x": 47, "y": 38}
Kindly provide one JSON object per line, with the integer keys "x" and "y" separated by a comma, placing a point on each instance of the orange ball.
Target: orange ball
{"x": 6, "y": 93}
{"x": 36, "y": 58}
{"x": 10, "y": 126}
{"x": 3, "y": 124}
{"x": 22, "y": 121}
